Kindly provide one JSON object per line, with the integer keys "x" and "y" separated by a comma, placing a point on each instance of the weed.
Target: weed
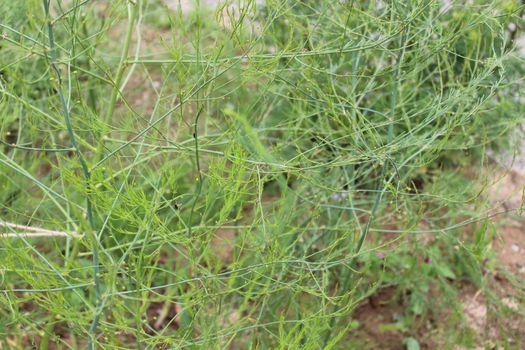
{"x": 248, "y": 175}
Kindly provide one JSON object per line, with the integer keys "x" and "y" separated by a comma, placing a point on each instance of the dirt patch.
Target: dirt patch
{"x": 377, "y": 321}
{"x": 506, "y": 194}
{"x": 223, "y": 244}
{"x": 186, "y": 6}
{"x": 510, "y": 248}
{"x": 506, "y": 188}
{"x": 475, "y": 311}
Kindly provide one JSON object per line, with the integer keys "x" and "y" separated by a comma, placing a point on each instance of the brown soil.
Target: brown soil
{"x": 507, "y": 195}
{"x": 374, "y": 315}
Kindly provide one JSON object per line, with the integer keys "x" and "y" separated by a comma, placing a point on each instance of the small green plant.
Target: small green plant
{"x": 245, "y": 175}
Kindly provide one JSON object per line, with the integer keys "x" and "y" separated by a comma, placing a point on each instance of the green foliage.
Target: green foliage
{"x": 245, "y": 176}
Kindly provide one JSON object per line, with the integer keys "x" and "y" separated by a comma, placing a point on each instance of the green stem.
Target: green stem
{"x": 44, "y": 342}
{"x": 85, "y": 170}
{"x": 198, "y": 190}
{"x": 121, "y": 68}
